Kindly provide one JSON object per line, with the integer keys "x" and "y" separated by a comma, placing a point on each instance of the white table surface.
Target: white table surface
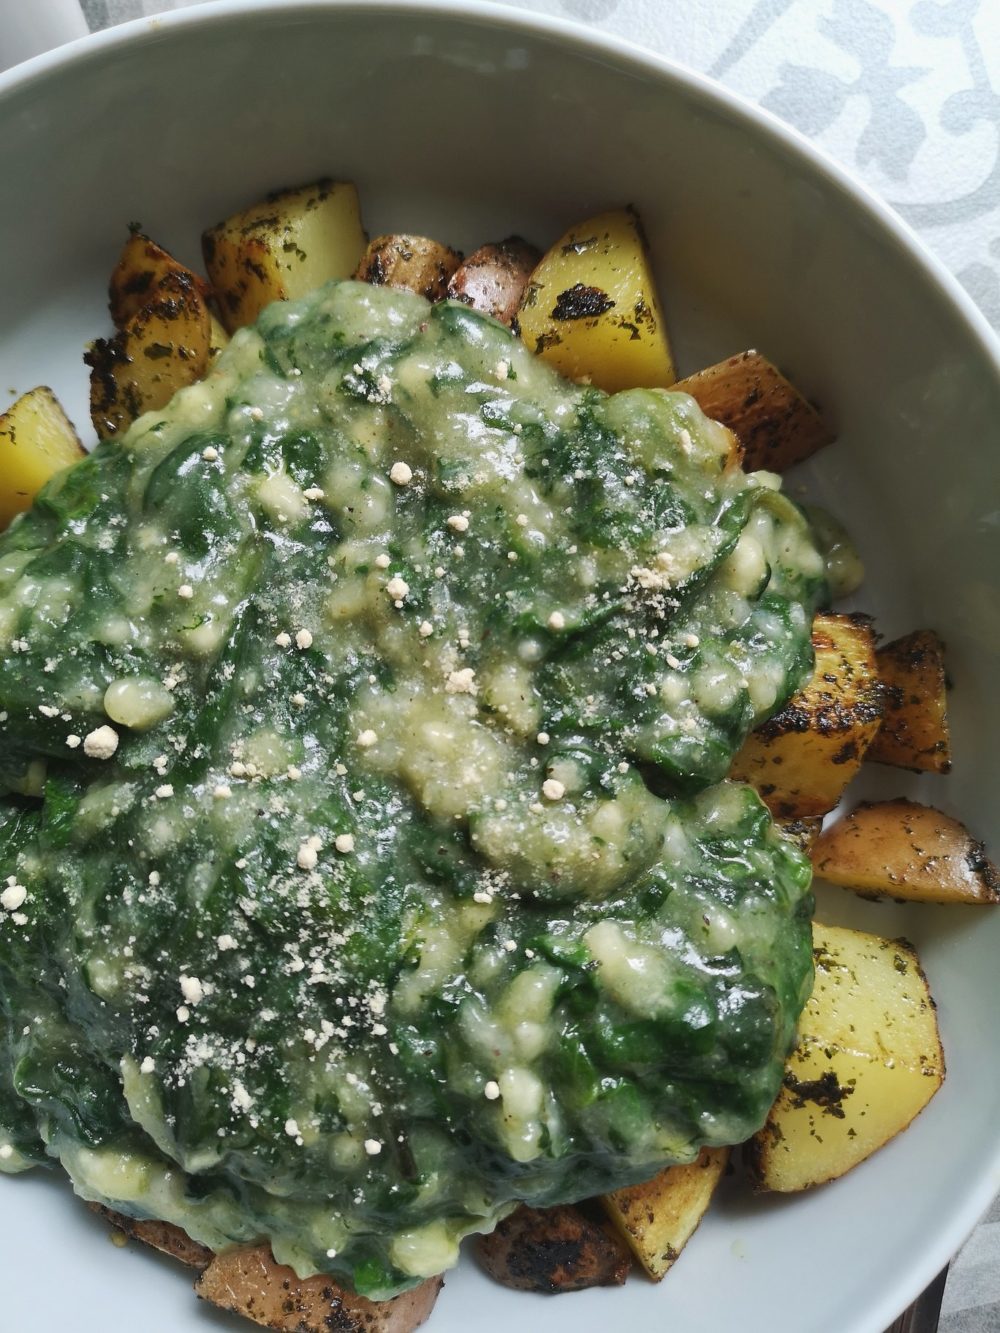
{"x": 903, "y": 93}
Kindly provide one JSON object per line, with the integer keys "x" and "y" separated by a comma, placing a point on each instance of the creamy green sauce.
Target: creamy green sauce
{"x": 366, "y": 864}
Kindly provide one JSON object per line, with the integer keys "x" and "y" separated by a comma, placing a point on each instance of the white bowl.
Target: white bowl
{"x": 469, "y": 122}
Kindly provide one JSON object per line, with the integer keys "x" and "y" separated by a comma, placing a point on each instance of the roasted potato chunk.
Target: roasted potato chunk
{"x": 494, "y": 277}
{"x": 776, "y": 426}
{"x": 162, "y": 1236}
{"x": 37, "y": 440}
{"x": 802, "y": 758}
{"x": 867, "y": 1061}
{"x": 284, "y": 247}
{"x": 164, "y": 347}
{"x": 249, "y": 1282}
{"x": 803, "y": 832}
{"x": 415, "y": 263}
{"x": 591, "y": 308}
{"x": 553, "y": 1249}
{"x": 141, "y": 267}
{"x": 914, "y": 730}
{"x": 899, "y": 849}
{"x": 658, "y": 1218}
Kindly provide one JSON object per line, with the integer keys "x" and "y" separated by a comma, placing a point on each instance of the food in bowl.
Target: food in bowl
{"x": 370, "y": 704}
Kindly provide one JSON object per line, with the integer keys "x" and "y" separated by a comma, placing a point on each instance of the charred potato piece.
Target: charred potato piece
{"x": 162, "y": 1236}
{"x": 553, "y": 1249}
{"x": 282, "y": 248}
{"x": 494, "y": 277}
{"x": 776, "y": 426}
{"x": 141, "y": 267}
{"x": 914, "y": 731}
{"x": 249, "y": 1282}
{"x": 591, "y": 308}
{"x": 867, "y": 1061}
{"x": 899, "y": 849}
{"x": 164, "y": 347}
{"x": 37, "y": 440}
{"x": 415, "y": 263}
{"x": 658, "y": 1218}
{"x": 802, "y": 758}
{"x": 803, "y": 832}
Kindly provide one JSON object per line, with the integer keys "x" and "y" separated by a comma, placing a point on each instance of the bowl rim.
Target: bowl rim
{"x": 624, "y": 55}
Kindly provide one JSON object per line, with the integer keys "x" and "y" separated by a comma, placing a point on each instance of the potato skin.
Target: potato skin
{"x": 901, "y": 849}
{"x": 162, "y": 1236}
{"x": 414, "y": 263}
{"x": 553, "y": 1249}
{"x": 249, "y": 1282}
{"x": 494, "y": 277}
{"x": 776, "y": 426}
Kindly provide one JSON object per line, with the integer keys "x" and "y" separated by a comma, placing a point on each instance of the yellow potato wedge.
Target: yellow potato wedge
{"x": 37, "y": 440}
{"x": 554, "y": 1249}
{"x": 282, "y": 248}
{"x": 658, "y": 1218}
{"x": 591, "y": 308}
{"x": 899, "y": 849}
{"x": 802, "y": 758}
{"x": 164, "y": 347}
{"x": 494, "y": 277}
{"x": 776, "y": 426}
{"x": 415, "y": 263}
{"x": 141, "y": 267}
{"x": 914, "y": 730}
{"x": 249, "y": 1282}
{"x": 162, "y": 1236}
{"x": 867, "y": 1061}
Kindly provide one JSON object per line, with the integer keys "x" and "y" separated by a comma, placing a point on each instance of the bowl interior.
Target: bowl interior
{"x": 470, "y": 126}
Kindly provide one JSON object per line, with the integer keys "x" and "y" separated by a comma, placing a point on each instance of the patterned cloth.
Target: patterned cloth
{"x": 902, "y": 93}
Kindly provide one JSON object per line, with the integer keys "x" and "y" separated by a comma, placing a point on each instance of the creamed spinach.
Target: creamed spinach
{"x": 366, "y": 858}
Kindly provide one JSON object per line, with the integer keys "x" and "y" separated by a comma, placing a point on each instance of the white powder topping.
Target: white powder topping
{"x": 183, "y": 1014}
{"x": 344, "y": 842}
{"x": 522, "y": 520}
{"x": 461, "y": 682}
{"x": 382, "y": 561}
{"x": 557, "y": 620}
{"x": 13, "y": 896}
{"x": 397, "y": 588}
{"x": 73, "y": 741}
{"x": 163, "y": 792}
{"x": 401, "y": 474}
{"x": 372, "y": 1147}
{"x": 224, "y": 943}
{"x": 48, "y": 710}
{"x": 210, "y": 453}
{"x": 367, "y": 738}
{"x": 553, "y": 789}
{"x": 426, "y": 629}
{"x": 283, "y": 640}
{"x": 185, "y": 591}
{"x": 222, "y": 792}
{"x": 303, "y": 639}
{"x": 308, "y": 853}
{"x": 492, "y": 1090}
{"x": 314, "y": 493}
{"x": 502, "y": 370}
{"x": 458, "y": 523}
{"x": 101, "y": 743}
{"x": 543, "y": 738}
{"x": 192, "y": 990}
{"x": 171, "y": 558}
{"x": 148, "y": 1065}
{"x": 292, "y": 1129}
{"x": 242, "y": 1100}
